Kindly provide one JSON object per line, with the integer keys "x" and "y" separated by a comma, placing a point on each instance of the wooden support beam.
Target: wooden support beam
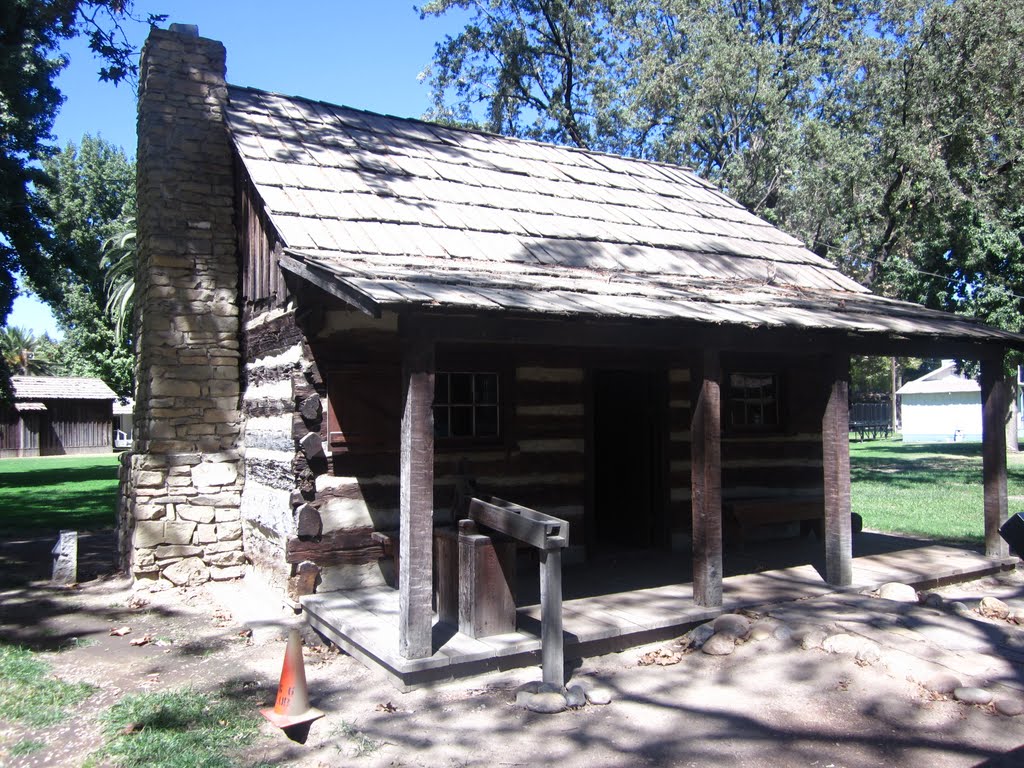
{"x": 706, "y": 484}
{"x": 522, "y": 523}
{"x": 416, "y": 505}
{"x": 327, "y": 281}
{"x": 352, "y": 545}
{"x": 995, "y": 399}
{"x": 551, "y": 647}
{"x": 835, "y": 438}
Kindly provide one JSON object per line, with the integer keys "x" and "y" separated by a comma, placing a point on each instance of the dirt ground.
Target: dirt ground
{"x": 770, "y": 703}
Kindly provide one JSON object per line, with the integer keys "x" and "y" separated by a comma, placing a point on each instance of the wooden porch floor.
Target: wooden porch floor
{"x": 608, "y": 607}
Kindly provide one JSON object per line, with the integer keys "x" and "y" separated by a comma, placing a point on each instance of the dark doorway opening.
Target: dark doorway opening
{"x": 629, "y": 509}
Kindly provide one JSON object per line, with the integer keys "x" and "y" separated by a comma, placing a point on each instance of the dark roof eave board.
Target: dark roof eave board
{"x": 330, "y": 284}
{"x": 502, "y": 327}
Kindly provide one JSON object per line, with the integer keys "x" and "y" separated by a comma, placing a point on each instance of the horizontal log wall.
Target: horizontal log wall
{"x": 538, "y": 461}
{"x": 781, "y": 462}
{"x": 274, "y": 355}
{"x": 680, "y": 410}
{"x": 541, "y": 463}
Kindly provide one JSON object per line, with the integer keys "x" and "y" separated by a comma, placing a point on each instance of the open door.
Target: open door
{"x": 628, "y": 501}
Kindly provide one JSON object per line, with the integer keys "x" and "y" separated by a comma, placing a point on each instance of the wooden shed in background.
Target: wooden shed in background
{"x": 53, "y": 416}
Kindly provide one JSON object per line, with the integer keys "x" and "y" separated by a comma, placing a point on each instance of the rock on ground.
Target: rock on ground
{"x": 972, "y": 695}
{"x": 1009, "y": 707}
{"x": 719, "y": 645}
{"x": 732, "y": 624}
{"x": 901, "y": 593}
{"x": 599, "y": 696}
{"x": 547, "y": 703}
{"x": 993, "y": 608}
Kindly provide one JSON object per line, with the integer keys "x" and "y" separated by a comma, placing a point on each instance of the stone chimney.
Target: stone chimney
{"x": 179, "y": 517}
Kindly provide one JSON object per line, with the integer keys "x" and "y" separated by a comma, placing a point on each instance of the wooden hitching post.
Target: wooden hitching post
{"x": 835, "y": 438}
{"x": 706, "y": 482}
{"x": 552, "y": 653}
{"x": 416, "y": 513}
{"x": 995, "y": 407}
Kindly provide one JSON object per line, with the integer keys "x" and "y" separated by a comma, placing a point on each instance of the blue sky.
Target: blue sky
{"x": 365, "y": 54}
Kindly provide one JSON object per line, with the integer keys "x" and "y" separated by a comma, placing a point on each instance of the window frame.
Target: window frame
{"x": 731, "y": 398}
{"x": 474, "y": 405}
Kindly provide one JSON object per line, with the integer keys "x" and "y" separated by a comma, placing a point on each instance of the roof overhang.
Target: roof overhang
{"x": 29, "y": 407}
{"x": 526, "y": 291}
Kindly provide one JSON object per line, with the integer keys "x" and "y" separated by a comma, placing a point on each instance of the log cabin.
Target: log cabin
{"x": 346, "y": 318}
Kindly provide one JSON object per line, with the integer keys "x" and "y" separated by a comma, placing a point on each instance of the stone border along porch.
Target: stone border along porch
{"x": 362, "y": 622}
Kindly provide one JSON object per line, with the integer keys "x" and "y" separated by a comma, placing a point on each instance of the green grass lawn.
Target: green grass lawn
{"x": 41, "y": 496}
{"x": 931, "y": 490}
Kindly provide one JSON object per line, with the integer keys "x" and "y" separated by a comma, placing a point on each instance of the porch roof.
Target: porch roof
{"x": 401, "y": 214}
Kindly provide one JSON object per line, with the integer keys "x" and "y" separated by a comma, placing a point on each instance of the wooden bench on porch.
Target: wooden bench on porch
{"x": 750, "y": 513}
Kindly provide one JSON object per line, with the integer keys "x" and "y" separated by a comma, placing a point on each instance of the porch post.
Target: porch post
{"x": 995, "y": 406}
{"x": 706, "y": 484}
{"x": 835, "y": 439}
{"x": 416, "y": 513}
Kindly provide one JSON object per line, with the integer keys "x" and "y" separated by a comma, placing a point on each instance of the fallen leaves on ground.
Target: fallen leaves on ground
{"x": 663, "y": 657}
{"x": 120, "y": 631}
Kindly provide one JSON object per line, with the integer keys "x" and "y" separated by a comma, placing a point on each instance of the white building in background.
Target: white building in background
{"x": 123, "y": 411}
{"x": 941, "y": 407}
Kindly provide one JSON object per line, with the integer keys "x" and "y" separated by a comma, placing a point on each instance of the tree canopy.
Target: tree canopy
{"x": 886, "y": 134}
{"x": 91, "y": 199}
{"x": 31, "y": 35}
{"x": 24, "y": 353}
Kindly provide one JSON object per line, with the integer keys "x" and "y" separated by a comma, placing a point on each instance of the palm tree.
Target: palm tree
{"x": 118, "y": 262}
{"x": 24, "y": 353}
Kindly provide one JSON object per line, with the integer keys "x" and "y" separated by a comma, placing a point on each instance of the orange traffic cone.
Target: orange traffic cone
{"x": 292, "y": 705}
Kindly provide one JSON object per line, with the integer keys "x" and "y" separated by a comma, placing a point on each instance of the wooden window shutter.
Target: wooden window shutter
{"x": 364, "y": 408}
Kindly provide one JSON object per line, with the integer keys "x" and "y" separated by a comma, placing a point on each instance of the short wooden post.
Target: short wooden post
{"x": 835, "y": 439}
{"x": 486, "y": 582}
{"x": 706, "y": 483}
{"x": 416, "y": 504}
{"x": 995, "y": 392}
{"x": 552, "y": 652}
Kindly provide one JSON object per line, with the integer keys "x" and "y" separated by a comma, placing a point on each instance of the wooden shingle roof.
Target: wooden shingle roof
{"x": 60, "y": 388}
{"x": 401, "y": 213}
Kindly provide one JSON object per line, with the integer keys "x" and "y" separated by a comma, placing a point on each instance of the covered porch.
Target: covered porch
{"x": 640, "y": 599}
{"x": 699, "y": 588}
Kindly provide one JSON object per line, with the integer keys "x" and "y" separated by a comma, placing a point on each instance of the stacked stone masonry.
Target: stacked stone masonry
{"x": 180, "y": 508}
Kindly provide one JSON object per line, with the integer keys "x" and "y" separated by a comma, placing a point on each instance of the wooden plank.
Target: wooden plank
{"x": 416, "y": 505}
{"x": 835, "y": 440}
{"x": 706, "y": 484}
{"x": 330, "y": 544}
{"x": 487, "y": 575}
{"x": 995, "y": 398}
{"x": 446, "y": 568}
{"x": 521, "y": 523}
{"x": 666, "y": 335}
{"x": 551, "y": 640}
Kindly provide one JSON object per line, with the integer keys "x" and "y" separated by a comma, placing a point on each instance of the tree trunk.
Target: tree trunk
{"x": 892, "y": 396}
{"x": 1012, "y": 445}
